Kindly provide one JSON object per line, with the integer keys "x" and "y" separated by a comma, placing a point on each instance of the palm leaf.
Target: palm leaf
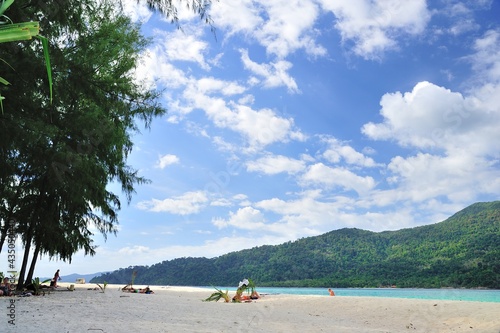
{"x": 23, "y": 31}
{"x": 216, "y": 296}
{"x": 5, "y": 4}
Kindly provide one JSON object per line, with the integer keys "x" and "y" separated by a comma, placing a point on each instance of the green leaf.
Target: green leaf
{"x": 4, "y": 81}
{"x": 19, "y": 31}
{"x": 45, "y": 44}
{"x": 5, "y": 4}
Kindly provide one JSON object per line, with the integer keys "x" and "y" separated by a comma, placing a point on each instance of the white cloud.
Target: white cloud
{"x": 229, "y": 14}
{"x": 426, "y": 176}
{"x": 299, "y": 218}
{"x": 422, "y": 117}
{"x": 246, "y": 218}
{"x": 281, "y": 26}
{"x": 374, "y": 25}
{"x": 261, "y": 127}
{"x": 289, "y": 27}
{"x": 434, "y": 117}
{"x": 323, "y": 175}
{"x": 188, "y": 203}
{"x": 274, "y": 74}
{"x": 208, "y": 85}
{"x": 338, "y": 151}
{"x": 167, "y": 160}
{"x": 154, "y": 69}
{"x": 456, "y": 135}
{"x": 486, "y": 59}
{"x": 137, "y": 11}
{"x": 274, "y": 164}
{"x": 134, "y": 250}
{"x": 258, "y": 127}
{"x": 183, "y": 46}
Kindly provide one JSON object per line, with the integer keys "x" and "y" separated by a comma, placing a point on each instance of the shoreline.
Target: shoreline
{"x": 401, "y": 293}
{"x": 181, "y": 309}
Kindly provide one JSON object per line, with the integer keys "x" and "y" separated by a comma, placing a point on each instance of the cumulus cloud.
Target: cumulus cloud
{"x": 323, "y": 175}
{"x": 134, "y": 250}
{"x": 180, "y": 46}
{"x": 247, "y": 218}
{"x": 426, "y": 176}
{"x": 229, "y": 15}
{"x": 274, "y": 164}
{"x": 137, "y": 11}
{"x": 434, "y": 117}
{"x": 299, "y": 218}
{"x": 259, "y": 128}
{"x": 167, "y": 160}
{"x": 289, "y": 27}
{"x": 419, "y": 117}
{"x": 153, "y": 69}
{"x": 486, "y": 59}
{"x": 338, "y": 151}
{"x": 455, "y": 135}
{"x": 209, "y": 85}
{"x": 281, "y": 26}
{"x": 188, "y": 203}
{"x": 372, "y": 26}
{"x": 274, "y": 74}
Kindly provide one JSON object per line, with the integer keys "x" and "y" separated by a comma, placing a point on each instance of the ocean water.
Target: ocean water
{"x": 477, "y": 295}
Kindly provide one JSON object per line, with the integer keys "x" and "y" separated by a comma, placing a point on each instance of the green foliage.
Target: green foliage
{"x": 462, "y": 251}
{"x": 37, "y": 285}
{"x": 15, "y": 32}
{"x": 103, "y": 287}
{"x": 216, "y": 296}
{"x": 56, "y": 160}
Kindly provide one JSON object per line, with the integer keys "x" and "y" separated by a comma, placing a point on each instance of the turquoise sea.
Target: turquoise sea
{"x": 478, "y": 295}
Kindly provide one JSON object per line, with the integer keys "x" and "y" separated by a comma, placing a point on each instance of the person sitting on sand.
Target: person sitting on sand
{"x": 254, "y": 295}
{"x": 5, "y": 287}
{"x": 331, "y": 292}
{"x": 146, "y": 290}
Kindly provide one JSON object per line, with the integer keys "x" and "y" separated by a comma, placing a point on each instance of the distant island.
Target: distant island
{"x": 461, "y": 252}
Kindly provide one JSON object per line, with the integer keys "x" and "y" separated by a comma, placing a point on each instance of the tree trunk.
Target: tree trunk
{"x": 27, "y": 246}
{"x": 3, "y": 233}
{"x": 33, "y": 263}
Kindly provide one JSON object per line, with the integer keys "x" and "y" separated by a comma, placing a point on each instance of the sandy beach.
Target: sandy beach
{"x": 180, "y": 309}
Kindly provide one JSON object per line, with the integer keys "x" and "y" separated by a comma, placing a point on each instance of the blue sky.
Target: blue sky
{"x": 303, "y": 117}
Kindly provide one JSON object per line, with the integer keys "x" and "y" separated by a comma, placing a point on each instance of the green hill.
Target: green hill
{"x": 462, "y": 251}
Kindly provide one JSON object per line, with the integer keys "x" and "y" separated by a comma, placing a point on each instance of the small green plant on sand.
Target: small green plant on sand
{"x": 37, "y": 285}
{"x": 216, "y": 296}
{"x": 103, "y": 287}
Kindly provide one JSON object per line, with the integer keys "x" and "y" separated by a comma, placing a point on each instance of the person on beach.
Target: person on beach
{"x": 146, "y": 290}
{"x": 5, "y": 287}
{"x": 254, "y": 295}
{"x": 56, "y": 277}
{"x": 331, "y": 292}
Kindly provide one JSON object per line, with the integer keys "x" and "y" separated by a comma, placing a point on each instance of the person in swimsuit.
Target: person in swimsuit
{"x": 53, "y": 282}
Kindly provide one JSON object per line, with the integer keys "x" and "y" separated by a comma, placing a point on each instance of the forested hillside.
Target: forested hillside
{"x": 462, "y": 251}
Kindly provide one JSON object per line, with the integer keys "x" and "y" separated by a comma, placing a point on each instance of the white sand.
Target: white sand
{"x": 180, "y": 309}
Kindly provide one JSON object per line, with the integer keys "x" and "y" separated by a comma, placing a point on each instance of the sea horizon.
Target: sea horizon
{"x": 452, "y": 294}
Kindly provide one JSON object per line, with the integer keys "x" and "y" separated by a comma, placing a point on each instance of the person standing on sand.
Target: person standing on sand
{"x": 331, "y": 292}
{"x": 54, "y": 279}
